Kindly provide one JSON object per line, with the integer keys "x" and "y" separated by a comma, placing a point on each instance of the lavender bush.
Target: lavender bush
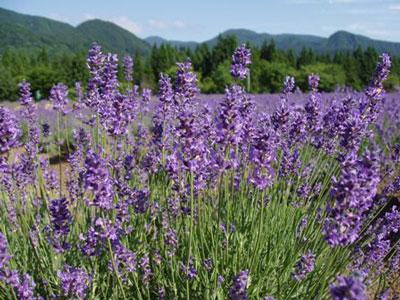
{"x": 182, "y": 198}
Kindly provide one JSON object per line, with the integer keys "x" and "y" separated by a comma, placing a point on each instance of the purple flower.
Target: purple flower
{"x": 185, "y": 87}
{"x": 229, "y": 121}
{"x": 74, "y": 281}
{"x": 78, "y": 94}
{"x": 171, "y": 238}
{"x": 128, "y": 68}
{"x": 304, "y": 266}
{"x": 25, "y": 289}
{"x": 4, "y": 256}
{"x": 145, "y": 267}
{"x": 25, "y": 93}
{"x": 348, "y": 288}
{"x": 146, "y": 97}
{"x": 97, "y": 179}
{"x": 60, "y": 216}
{"x": 288, "y": 85}
{"x": 110, "y": 81}
{"x": 352, "y": 196}
{"x": 189, "y": 269}
{"x": 46, "y": 129}
{"x": 241, "y": 58}
{"x": 208, "y": 264}
{"x": 95, "y": 62}
{"x": 221, "y": 280}
{"x": 50, "y": 177}
{"x": 59, "y": 97}
{"x": 9, "y": 130}
{"x": 239, "y": 289}
{"x": 313, "y": 82}
{"x": 375, "y": 91}
{"x": 161, "y": 293}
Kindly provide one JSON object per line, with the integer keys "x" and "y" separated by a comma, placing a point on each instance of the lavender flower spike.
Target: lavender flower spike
{"x": 239, "y": 288}
{"x": 348, "y": 288}
{"x": 58, "y": 95}
{"x": 128, "y": 68}
{"x": 288, "y": 85}
{"x": 4, "y": 256}
{"x": 25, "y": 93}
{"x": 305, "y": 265}
{"x": 241, "y": 58}
{"x": 9, "y": 130}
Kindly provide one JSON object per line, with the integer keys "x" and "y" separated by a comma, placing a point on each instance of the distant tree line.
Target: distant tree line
{"x": 268, "y": 70}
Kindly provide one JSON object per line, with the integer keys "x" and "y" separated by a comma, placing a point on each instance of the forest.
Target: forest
{"x": 211, "y": 65}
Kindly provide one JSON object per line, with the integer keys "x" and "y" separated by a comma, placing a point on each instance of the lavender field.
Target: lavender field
{"x": 113, "y": 192}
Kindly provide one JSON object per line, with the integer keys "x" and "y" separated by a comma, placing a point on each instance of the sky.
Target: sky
{"x": 201, "y": 20}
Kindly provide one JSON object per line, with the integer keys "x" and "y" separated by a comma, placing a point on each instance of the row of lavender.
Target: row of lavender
{"x": 181, "y": 200}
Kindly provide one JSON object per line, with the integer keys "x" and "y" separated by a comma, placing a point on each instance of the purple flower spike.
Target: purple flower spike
{"x": 239, "y": 289}
{"x": 9, "y": 130}
{"x": 74, "y": 281}
{"x": 288, "y": 85}
{"x": 25, "y": 93}
{"x": 305, "y": 265}
{"x": 348, "y": 288}
{"x": 128, "y": 68}
{"x": 97, "y": 179}
{"x": 58, "y": 95}
{"x": 313, "y": 82}
{"x": 241, "y": 58}
{"x": 4, "y": 256}
{"x": 186, "y": 88}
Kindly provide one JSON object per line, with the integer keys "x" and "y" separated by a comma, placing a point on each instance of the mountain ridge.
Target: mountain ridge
{"x": 26, "y": 32}
{"x": 338, "y": 41}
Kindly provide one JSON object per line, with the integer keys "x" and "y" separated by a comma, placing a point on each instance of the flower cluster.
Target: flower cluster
{"x": 241, "y": 58}
{"x": 177, "y": 195}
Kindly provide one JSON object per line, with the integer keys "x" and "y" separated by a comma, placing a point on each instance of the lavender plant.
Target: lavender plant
{"x": 203, "y": 202}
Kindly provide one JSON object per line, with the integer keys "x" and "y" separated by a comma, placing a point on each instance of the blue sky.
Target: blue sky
{"x": 203, "y": 19}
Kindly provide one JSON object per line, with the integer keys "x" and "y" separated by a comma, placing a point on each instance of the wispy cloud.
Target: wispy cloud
{"x": 122, "y": 21}
{"x": 162, "y": 24}
{"x": 128, "y": 24}
{"x": 374, "y": 30}
{"x": 377, "y": 31}
{"x": 395, "y": 7}
{"x": 323, "y": 1}
{"x": 58, "y": 17}
{"x": 341, "y": 1}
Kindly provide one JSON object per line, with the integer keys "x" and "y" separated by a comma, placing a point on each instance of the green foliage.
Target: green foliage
{"x": 49, "y": 60}
{"x": 272, "y": 74}
{"x": 331, "y": 75}
{"x": 43, "y": 78}
{"x": 8, "y": 85}
{"x": 221, "y": 77}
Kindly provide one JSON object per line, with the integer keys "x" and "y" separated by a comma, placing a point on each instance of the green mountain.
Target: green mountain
{"x": 158, "y": 41}
{"x": 32, "y": 33}
{"x": 26, "y": 32}
{"x": 339, "y": 41}
{"x": 112, "y": 37}
{"x": 346, "y": 41}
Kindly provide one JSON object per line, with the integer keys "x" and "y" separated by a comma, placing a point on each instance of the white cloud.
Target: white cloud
{"x": 395, "y": 7}
{"x": 122, "y": 21}
{"x": 341, "y": 1}
{"x": 58, "y": 17}
{"x": 162, "y": 24}
{"x": 323, "y": 1}
{"x": 127, "y": 23}
{"x": 361, "y": 11}
{"x": 374, "y": 30}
